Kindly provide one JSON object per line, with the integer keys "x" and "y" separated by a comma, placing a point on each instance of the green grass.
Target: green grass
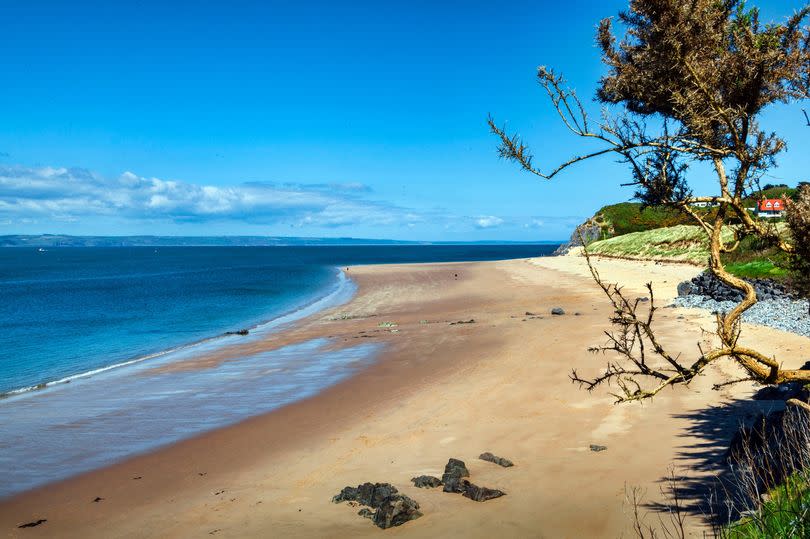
{"x": 757, "y": 258}
{"x": 757, "y": 269}
{"x": 681, "y": 243}
{"x": 785, "y": 514}
{"x": 754, "y": 259}
{"x": 774, "y": 192}
{"x": 628, "y": 217}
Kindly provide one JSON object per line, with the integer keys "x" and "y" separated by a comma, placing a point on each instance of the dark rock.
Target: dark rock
{"x": 396, "y": 510}
{"x": 783, "y": 392}
{"x": 453, "y": 472}
{"x": 500, "y": 461}
{"x": 557, "y": 311}
{"x": 479, "y": 494}
{"x": 242, "y": 332}
{"x": 392, "y": 508}
{"x": 706, "y": 284}
{"x": 33, "y": 524}
{"x": 348, "y": 494}
{"x": 371, "y": 494}
{"x": 597, "y": 448}
{"x": 426, "y": 481}
{"x": 685, "y": 288}
{"x": 456, "y": 467}
{"x": 97, "y": 499}
{"x": 452, "y": 483}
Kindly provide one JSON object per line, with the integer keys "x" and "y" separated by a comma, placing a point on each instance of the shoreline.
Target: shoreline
{"x": 438, "y": 390}
{"x": 149, "y": 403}
{"x": 336, "y": 294}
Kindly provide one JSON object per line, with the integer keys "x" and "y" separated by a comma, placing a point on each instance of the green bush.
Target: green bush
{"x": 786, "y": 513}
{"x": 628, "y": 217}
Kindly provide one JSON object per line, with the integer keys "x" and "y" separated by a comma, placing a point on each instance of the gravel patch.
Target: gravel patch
{"x": 785, "y": 314}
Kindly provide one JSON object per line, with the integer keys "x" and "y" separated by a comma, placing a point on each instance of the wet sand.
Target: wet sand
{"x": 439, "y": 389}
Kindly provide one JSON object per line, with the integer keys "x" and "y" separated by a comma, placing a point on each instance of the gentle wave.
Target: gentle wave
{"x": 124, "y": 276}
{"x": 341, "y": 292}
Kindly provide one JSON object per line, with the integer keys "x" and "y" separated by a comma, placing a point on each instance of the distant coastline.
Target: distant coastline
{"x": 62, "y": 240}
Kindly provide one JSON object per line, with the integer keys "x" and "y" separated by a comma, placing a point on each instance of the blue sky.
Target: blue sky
{"x": 363, "y": 119}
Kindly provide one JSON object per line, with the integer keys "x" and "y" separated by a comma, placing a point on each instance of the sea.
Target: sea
{"x": 85, "y": 330}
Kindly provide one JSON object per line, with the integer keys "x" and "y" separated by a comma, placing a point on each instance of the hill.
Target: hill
{"x": 679, "y": 243}
{"x": 688, "y": 244}
{"x": 628, "y": 217}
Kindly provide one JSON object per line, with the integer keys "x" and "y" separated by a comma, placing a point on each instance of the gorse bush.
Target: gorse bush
{"x": 765, "y": 495}
{"x": 798, "y": 220}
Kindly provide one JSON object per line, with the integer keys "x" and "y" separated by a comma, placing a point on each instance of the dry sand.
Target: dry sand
{"x": 438, "y": 390}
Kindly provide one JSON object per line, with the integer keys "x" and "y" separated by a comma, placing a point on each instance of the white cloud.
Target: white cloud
{"x": 488, "y": 221}
{"x": 52, "y": 196}
{"x": 70, "y": 194}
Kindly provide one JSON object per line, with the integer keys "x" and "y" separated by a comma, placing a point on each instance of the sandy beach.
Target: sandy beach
{"x": 439, "y": 389}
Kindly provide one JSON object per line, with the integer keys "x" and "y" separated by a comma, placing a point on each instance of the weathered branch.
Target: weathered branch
{"x": 706, "y": 70}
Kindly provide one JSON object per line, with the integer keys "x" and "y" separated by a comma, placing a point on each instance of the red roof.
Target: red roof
{"x": 772, "y": 204}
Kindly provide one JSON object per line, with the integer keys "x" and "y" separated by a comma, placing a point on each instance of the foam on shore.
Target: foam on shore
{"x": 339, "y": 293}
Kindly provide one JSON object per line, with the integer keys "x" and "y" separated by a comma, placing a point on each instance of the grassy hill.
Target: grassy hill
{"x": 628, "y": 217}
{"x": 688, "y": 244}
{"x": 774, "y": 191}
{"x": 679, "y": 243}
{"x": 628, "y": 231}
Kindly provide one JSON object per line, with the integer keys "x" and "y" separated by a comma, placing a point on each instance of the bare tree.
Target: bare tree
{"x": 685, "y": 85}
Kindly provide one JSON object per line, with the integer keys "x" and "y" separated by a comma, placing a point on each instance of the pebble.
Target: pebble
{"x": 785, "y": 314}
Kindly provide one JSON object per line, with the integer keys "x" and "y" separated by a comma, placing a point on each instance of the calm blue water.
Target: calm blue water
{"x": 68, "y": 312}
{"x": 72, "y": 310}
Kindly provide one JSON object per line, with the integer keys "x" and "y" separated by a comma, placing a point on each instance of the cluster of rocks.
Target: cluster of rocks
{"x": 390, "y": 507}
{"x": 707, "y": 284}
{"x": 777, "y": 307}
{"x": 386, "y": 507}
{"x": 453, "y": 480}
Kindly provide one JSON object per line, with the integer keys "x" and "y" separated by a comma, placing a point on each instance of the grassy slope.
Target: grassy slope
{"x": 681, "y": 243}
{"x": 688, "y": 243}
{"x": 667, "y": 235}
{"x": 628, "y": 217}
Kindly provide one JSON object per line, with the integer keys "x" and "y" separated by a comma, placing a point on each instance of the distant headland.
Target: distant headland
{"x": 59, "y": 240}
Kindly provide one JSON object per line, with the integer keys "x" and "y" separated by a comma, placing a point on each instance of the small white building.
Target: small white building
{"x": 704, "y": 204}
